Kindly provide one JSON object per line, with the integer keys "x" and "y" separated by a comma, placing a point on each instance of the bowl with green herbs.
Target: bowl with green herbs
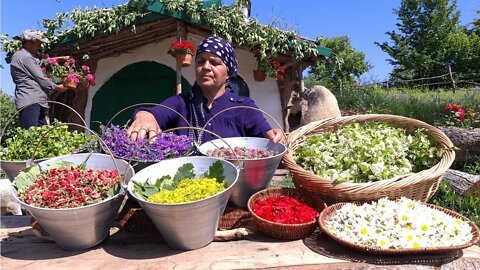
{"x": 367, "y": 157}
{"x": 185, "y": 197}
{"x": 39, "y": 143}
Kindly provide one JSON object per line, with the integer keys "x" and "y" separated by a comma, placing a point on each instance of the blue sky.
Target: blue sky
{"x": 364, "y": 22}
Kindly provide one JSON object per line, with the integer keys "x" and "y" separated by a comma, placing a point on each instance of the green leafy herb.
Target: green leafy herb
{"x": 166, "y": 182}
{"x": 184, "y": 172}
{"x": 367, "y": 152}
{"x": 216, "y": 171}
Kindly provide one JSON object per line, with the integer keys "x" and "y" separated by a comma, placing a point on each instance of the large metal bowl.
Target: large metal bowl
{"x": 81, "y": 227}
{"x": 13, "y": 167}
{"x": 190, "y": 225}
{"x": 255, "y": 174}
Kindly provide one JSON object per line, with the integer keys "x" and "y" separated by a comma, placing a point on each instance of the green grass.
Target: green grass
{"x": 467, "y": 205}
{"x": 420, "y": 104}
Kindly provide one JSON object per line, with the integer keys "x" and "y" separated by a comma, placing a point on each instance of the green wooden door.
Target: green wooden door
{"x": 136, "y": 83}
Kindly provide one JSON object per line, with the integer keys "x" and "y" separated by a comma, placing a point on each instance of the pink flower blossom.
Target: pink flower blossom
{"x": 52, "y": 61}
{"x": 73, "y": 78}
{"x": 91, "y": 79}
{"x": 86, "y": 68}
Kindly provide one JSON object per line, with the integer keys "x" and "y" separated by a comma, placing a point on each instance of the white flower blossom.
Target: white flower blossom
{"x": 403, "y": 223}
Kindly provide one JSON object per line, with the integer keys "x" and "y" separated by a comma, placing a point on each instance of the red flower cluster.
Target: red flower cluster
{"x": 284, "y": 210}
{"x": 281, "y": 70}
{"x": 180, "y": 47}
{"x": 456, "y": 110}
{"x": 70, "y": 187}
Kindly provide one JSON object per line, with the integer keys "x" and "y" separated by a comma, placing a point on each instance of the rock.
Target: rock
{"x": 314, "y": 104}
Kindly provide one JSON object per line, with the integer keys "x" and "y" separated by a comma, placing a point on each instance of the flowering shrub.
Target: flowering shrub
{"x": 284, "y": 210}
{"x": 165, "y": 146}
{"x": 69, "y": 187}
{"x": 458, "y": 116}
{"x": 183, "y": 47}
{"x": 272, "y": 68}
{"x": 455, "y": 113}
{"x": 403, "y": 223}
{"x": 54, "y": 70}
{"x": 240, "y": 152}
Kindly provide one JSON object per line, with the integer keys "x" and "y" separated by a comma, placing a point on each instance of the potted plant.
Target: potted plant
{"x": 182, "y": 51}
{"x": 272, "y": 68}
{"x": 64, "y": 71}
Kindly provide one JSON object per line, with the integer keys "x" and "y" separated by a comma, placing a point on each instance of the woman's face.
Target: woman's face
{"x": 210, "y": 71}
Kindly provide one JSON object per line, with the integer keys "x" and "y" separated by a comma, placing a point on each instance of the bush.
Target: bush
{"x": 7, "y": 109}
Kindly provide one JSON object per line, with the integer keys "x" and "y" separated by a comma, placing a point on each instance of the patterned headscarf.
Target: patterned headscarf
{"x": 222, "y": 49}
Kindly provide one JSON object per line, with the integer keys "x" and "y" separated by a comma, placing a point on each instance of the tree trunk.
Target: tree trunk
{"x": 467, "y": 140}
{"x": 462, "y": 182}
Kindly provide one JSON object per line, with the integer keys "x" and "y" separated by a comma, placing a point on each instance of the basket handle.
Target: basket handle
{"x": 147, "y": 104}
{"x": 48, "y": 101}
{"x": 91, "y": 131}
{"x": 245, "y": 107}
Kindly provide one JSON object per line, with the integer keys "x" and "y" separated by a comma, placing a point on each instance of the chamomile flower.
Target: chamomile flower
{"x": 403, "y": 223}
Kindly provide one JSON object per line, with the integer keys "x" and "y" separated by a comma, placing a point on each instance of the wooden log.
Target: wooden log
{"x": 462, "y": 182}
{"x": 467, "y": 140}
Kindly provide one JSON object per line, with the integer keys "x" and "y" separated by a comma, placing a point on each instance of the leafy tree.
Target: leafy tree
{"x": 430, "y": 39}
{"x": 7, "y": 109}
{"x": 346, "y": 65}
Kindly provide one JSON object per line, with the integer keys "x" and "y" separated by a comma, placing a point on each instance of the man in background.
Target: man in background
{"x": 31, "y": 85}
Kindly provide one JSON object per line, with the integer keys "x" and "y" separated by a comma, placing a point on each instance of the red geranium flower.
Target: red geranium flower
{"x": 180, "y": 47}
{"x": 284, "y": 210}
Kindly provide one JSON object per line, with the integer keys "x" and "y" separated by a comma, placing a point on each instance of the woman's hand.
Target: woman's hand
{"x": 143, "y": 125}
{"x": 276, "y": 135}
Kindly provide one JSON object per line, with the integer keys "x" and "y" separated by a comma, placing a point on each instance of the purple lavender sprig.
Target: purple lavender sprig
{"x": 165, "y": 146}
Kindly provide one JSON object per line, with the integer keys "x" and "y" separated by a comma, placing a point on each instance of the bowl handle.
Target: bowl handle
{"x": 89, "y": 130}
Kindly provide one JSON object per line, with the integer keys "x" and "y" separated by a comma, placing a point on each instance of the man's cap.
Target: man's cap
{"x": 31, "y": 35}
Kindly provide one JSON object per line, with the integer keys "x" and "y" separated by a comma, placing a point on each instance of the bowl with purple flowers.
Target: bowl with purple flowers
{"x": 257, "y": 158}
{"x": 141, "y": 153}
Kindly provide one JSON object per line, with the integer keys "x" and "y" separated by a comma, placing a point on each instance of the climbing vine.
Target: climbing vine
{"x": 226, "y": 21}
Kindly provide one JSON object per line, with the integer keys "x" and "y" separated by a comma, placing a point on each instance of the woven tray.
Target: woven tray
{"x": 330, "y": 211}
{"x": 418, "y": 186}
{"x": 285, "y": 231}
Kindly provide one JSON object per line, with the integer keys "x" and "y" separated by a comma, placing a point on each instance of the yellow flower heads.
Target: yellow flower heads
{"x": 188, "y": 190}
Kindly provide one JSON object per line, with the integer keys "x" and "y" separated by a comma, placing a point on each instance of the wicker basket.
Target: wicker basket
{"x": 285, "y": 231}
{"x": 329, "y": 212}
{"x": 419, "y": 186}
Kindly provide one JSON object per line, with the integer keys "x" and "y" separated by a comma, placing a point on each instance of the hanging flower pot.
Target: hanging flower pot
{"x": 83, "y": 85}
{"x": 184, "y": 59}
{"x": 182, "y": 51}
{"x": 259, "y": 75}
{"x": 69, "y": 82}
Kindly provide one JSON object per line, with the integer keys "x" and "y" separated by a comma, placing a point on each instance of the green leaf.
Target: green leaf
{"x": 184, "y": 172}
{"x": 168, "y": 183}
{"x": 114, "y": 190}
{"x": 139, "y": 190}
{"x": 217, "y": 171}
{"x": 26, "y": 177}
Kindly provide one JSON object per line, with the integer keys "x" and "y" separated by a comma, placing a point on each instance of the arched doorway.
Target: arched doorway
{"x": 139, "y": 82}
